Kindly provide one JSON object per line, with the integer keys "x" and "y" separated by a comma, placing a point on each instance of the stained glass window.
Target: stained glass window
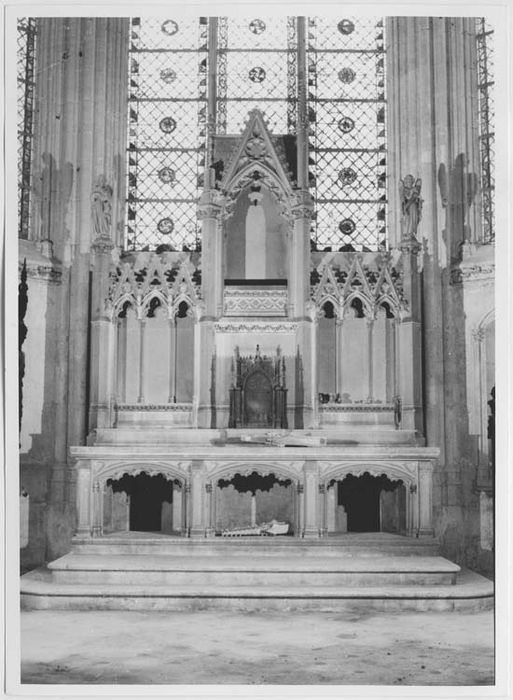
{"x": 167, "y": 104}
{"x": 25, "y": 80}
{"x": 486, "y": 82}
{"x": 256, "y": 64}
{"x": 346, "y": 67}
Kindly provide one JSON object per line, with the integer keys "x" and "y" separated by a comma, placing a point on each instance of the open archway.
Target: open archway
{"x": 142, "y": 503}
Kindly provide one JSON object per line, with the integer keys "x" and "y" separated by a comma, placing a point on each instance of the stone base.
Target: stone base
{"x": 375, "y": 571}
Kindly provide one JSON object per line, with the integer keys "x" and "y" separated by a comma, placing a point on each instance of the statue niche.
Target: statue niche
{"x": 256, "y": 237}
{"x": 258, "y": 395}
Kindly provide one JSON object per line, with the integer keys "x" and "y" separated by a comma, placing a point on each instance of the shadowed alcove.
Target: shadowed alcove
{"x": 247, "y": 500}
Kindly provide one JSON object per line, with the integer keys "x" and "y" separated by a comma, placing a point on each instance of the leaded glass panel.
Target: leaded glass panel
{"x": 256, "y": 70}
{"x": 167, "y": 113}
{"x": 486, "y": 83}
{"x": 346, "y": 76}
{"x": 25, "y": 84}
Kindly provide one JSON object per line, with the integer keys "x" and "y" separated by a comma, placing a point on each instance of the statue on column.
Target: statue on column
{"x": 101, "y": 208}
{"x": 411, "y": 205}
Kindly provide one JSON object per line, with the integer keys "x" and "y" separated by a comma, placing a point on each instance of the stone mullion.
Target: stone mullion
{"x": 302, "y": 121}
{"x": 211, "y": 93}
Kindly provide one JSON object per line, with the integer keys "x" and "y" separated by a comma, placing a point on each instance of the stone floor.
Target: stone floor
{"x": 268, "y": 648}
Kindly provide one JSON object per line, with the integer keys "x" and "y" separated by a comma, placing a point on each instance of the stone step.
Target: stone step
{"x": 254, "y": 570}
{"x": 350, "y": 545}
{"x": 472, "y": 592}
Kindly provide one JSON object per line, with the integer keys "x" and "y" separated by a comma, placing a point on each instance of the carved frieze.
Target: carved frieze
{"x": 355, "y": 408}
{"x": 255, "y": 302}
{"x": 173, "y": 407}
{"x": 477, "y": 272}
{"x": 243, "y": 326}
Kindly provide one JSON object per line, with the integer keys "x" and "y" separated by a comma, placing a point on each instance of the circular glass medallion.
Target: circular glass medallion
{"x": 346, "y": 75}
{"x": 347, "y": 176}
{"x": 345, "y": 26}
{"x": 346, "y": 124}
{"x": 167, "y": 175}
{"x": 257, "y": 26}
{"x": 167, "y": 125}
{"x": 169, "y": 27}
{"x": 166, "y": 226}
{"x": 257, "y": 74}
{"x": 167, "y": 75}
{"x": 347, "y": 227}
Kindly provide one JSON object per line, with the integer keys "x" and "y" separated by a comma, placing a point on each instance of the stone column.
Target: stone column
{"x": 331, "y": 506}
{"x": 311, "y": 497}
{"x": 410, "y": 342}
{"x": 84, "y": 498}
{"x": 323, "y": 529}
{"x": 102, "y": 359}
{"x": 197, "y": 517}
{"x": 172, "y": 359}
{"x": 433, "y": 126}
{"x": 370, "y": 359}
{"x": 186, "y": 518}
{"x": 97, "y": 509}
{"x": 121, "y": 348}
{"x": 177, "y": 508}
{"x": 302, "y": 205}
{"x": 79, "y": 136}
{"x": 142, "y": 327}
{"x": 209, "y": 491}
{"x": 425, "y": 499}
{"x": 300, "y": 508}
{"x": 338, "y": 331}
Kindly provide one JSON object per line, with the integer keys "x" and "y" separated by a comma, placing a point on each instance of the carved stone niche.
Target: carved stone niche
{"x": 258, "y": 395}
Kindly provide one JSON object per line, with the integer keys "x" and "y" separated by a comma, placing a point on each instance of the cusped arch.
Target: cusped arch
{"x": 486, "y": 320}
{"x": 392, "y": 303}
{"x": 267, "y": 177}
{"x": 258, "y": 368}
{"x": 148, "y": 298}
{"x": 335, "y": 301}
{"x": 230, "y": 469}
{"x": 367, "y": 304}
{"x": 126, "y": 298}
{"x": 116, "y": 470}
{"x": 395, "y": 471}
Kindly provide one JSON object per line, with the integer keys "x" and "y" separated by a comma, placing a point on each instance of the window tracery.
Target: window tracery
{"x": 255, "y": 63}
{"x": 486, "y": 83}
{"x": 26, "y": 45}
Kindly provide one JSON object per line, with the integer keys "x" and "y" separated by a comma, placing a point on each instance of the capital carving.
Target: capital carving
{"x": 102, "y": 245}
{"x": 410, "y": 244}
{"x": 302, "y": 205}
{"x": 210, "y": 205}
{"x": 478, "y": 334}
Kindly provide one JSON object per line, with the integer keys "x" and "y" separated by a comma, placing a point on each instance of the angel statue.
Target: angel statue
{"x": 411, "y": 205}
{"x": 101, "y": 208}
